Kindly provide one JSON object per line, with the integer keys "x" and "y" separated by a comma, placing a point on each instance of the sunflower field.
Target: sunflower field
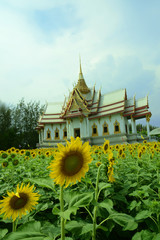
{"x": 81, "y": 192}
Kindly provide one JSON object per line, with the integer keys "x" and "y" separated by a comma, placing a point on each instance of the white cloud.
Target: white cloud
{"x": 41, "y": 65}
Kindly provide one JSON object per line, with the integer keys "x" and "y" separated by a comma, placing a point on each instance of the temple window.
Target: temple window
{"x": 57, "y": 133}
{"x": 94, "y": 130}
{"x": 105, "y": 129}
{"x": 48, "y": 134}
{"x": 117, "y": 127}
{"x": 65, "y": 133}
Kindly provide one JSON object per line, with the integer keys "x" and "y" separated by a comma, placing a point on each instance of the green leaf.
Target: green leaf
{"x": 66, "y": 214}
{"x": 24, "y": 236}
{"x": 81, "y": 200}
{"x": 56, "y": 211}
{"x": 130, "y": 226}
{"x": 103, "y": 228}
{"x": 133, "y": 205}
{"x": 88, "y": 227}
{"x": 124, "y": 220}
{"x": 41, "y": 207}
{"x": 74, "y": 226}
{"x": 3, "y": 232}
{"x": 104, "y": 185}
{"x": 107, "y": 204}
{"x": 157, "y": 237}
{"x": 50, "y": 230}
{"x": 33, "y": 226}
{"x": 43, "y": 182}
{"x": 79, "y": 228}
{"x": 143, "y": 215}
{"x": 48, "y": 238}
{"x": 66, "y": 238}
{"x": 144, "y": 235}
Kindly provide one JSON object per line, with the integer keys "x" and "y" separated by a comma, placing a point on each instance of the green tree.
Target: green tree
{"x": 5, "y": 126}
{"x": 25, "y": 117}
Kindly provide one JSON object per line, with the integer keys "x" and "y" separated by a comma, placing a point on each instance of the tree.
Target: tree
{"x": 5, "y": 126}
{"x": 25, "y": 117}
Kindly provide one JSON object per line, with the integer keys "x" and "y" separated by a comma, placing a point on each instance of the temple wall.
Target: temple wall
{"x": 52, "y": 128}
{"x": 108, "y": 120}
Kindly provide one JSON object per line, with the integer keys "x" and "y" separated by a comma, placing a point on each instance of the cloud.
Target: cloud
{"x": 41, "y": 41}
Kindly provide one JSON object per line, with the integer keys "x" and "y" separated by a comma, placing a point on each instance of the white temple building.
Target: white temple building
{"x": 92, "y": 116}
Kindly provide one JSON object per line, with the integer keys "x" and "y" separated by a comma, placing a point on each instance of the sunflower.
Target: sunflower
{"x": 22, "y": 152}
{"x": 71, "y": 162}
{"x": 19, "y": 203}
{"x": 4, "y": 164}
{"x": 17, "y": 150}
{"x": 15, "y": 162}
{"x": 98, "y": 164}
{"x": 120, "y": 151}
{"x": 4, "y": 155}
{"x": 117, "y": 147}
{"x": 139, "y": 154}
{"x": 12, "y": 149}
{"x": 47, "y": 153}
{"x": 106, "y": 146}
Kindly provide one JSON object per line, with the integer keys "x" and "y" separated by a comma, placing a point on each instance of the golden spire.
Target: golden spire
{"x": 81, "y": 85}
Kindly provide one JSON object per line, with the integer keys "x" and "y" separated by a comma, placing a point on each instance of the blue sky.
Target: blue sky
{"x": 118, "y": 40}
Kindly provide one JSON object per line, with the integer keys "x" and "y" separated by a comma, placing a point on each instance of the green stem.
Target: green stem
{"x": 62, "y": 210}
{"x": 103, "y": 221}
{"x": 89, "y": 212}
{"x": 14, "y": 225}
{"x": 95, "y": 208}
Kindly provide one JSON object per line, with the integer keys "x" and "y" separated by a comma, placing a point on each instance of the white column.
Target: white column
{"x": 87, "y": 127}
{"x": 42, "y": 135}
{"x": 127, "y": 127}
{"x": 147, "y": 122}
{"x": 81, "y": 130}
{"x": 69, "y": 130}
{"x": 39, "y": 132}
{"x": 148, "y": 130}
{"x": 133, "y": 124}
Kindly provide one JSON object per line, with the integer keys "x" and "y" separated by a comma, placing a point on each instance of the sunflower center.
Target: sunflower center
{"x": 18, "y": 202}
{"x": 72, "y": 163}
{"x": 106, "y": 147}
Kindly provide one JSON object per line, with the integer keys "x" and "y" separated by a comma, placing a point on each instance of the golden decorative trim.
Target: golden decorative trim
{"x": 117, "y": 124}
{"x": 48, "y": 134}
{"x": 56, "y": 132}
{"x": 105, "y": 125}
{"x": 81, "y": 119}
{"x": 148, "y": 116}
{"x": 69, "y": 120}
{"x": 94, "y": 130}
{"x": 64, "y": 130}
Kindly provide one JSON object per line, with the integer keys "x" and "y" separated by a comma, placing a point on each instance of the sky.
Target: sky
{"x": 41, "y": 41}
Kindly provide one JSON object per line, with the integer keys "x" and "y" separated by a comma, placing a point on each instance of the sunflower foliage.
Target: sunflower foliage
{"x": 126, "y": 208}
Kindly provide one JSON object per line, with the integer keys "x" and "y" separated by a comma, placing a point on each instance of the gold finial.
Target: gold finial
{"x": 81, "y": 85}
{"x": 80, "y": 64}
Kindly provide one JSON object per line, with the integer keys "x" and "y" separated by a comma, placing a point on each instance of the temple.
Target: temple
{"x": 92, "y": 116}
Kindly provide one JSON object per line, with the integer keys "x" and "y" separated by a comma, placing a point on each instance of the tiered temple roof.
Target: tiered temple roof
{"x": 84, "y": 101}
